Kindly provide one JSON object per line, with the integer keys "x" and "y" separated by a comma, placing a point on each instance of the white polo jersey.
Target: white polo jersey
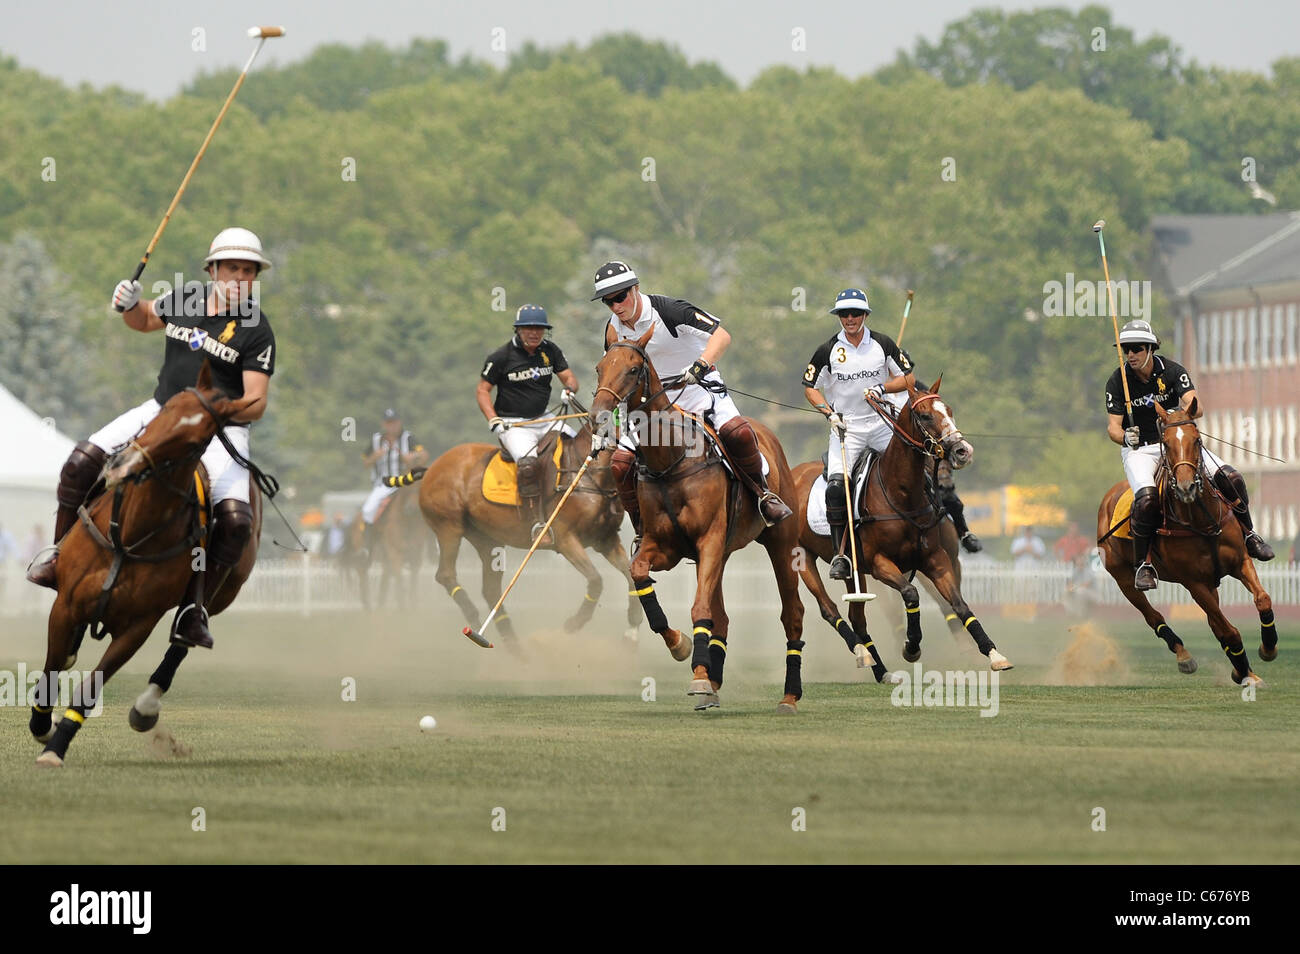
{"x": 681, "y": 334}
{"x": 389, "y": 463}
{"x": 842, "y": 372}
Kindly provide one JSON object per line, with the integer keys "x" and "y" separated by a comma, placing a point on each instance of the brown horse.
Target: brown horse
{"x": 454, "y": 507}
{"x": 692, "y": 509}
{"x": 399, "y": 543}
{"x": 899, "y": 527}
{"x": 1200, "y": 543}
{"x": 133, "y": 566}
{"x": 816, "y": 546}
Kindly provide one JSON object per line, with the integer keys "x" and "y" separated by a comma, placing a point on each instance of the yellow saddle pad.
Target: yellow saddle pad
{"x": 1123, "y": 507}
{"x": 499, "y": 481}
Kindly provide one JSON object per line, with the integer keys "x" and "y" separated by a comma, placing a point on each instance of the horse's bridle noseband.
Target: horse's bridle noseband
{"x": 929, "y": 445}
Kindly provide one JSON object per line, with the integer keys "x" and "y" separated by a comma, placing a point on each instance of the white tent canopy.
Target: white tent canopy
{"x": 32, "y": 456}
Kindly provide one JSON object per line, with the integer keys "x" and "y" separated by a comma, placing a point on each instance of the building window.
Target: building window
{"x": 1238, "y": 339}
{"x": 1290, "y": 334}
{"x": 1214, "y": 356}
{"x": 1279, "y": 334}
{"x": 1251, "y": 343}
{"x": 1202, "y": 338}
{"x": 1266, "y": 336}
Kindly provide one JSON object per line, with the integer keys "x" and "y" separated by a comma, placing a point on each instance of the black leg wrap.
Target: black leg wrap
{"x": 654, "y": 614}
{"x": 457, "y": 593}
{"x": 793, "y": 662}
{"x": 1267, "y": 629}
{"x": 914, "y": 623}
{"x": 41, "y": 720}
{"x": 1169, "y": 636}
{"x": 1239, "y": 661}
{"x": 63, "y": 736}
{"x": 162, "y": 676}
{"x": 703, "y": 632}
{"x": 851, "y": 639}
{"x": 717, "y": 658}
{"x": 976, "y": 630}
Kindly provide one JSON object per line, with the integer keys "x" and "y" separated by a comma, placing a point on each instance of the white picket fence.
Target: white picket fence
{"x": 311, "y": 586}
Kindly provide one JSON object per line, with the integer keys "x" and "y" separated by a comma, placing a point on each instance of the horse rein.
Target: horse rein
{"x": 929, "y": 445}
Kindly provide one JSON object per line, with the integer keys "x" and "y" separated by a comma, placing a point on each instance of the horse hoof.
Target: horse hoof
{"x": 1266, "y": 654}
{"x": 141, "y": 722}
{"x": 864, "y": 657}
{"x": 48, "y": 759}
{"x": 682, "y": 649}
{"x": 709, "y": 701}
{"x": 1253, "y": 680}
{"x": 893, "y": 678}
{"x": 706, "y": 697}
{"x": 911, "y": 653}
{"x": 1187, "y": 665}
{"x": 786, "y": 708}
{"x": 999, "y": 662}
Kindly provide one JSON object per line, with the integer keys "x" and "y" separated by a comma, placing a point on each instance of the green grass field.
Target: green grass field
{"x": 586, "y": 771}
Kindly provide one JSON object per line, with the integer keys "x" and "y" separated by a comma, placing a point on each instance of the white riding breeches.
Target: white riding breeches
{"x": 858, "y": 441}
{"x": 228, "y": 479}
{"x": 378, "y": 494}
{"x": 693, "y": 398}
{"x": 1141, "y": 464}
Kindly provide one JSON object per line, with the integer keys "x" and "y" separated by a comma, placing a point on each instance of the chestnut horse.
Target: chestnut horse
{"x": 692, "y": 509}
{"x": 816, "y": 546}
{"x": 1199, "y": 544}
{"x": 899, "y": 526}
{"x": 399, "y": 542}
{"x": 133, "y": 567}
{"x": 452, "y": 501}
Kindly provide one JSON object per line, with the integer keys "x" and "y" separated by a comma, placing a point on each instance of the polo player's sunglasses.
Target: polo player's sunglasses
{"x": 852, "y": 313}
{"x": 615, "y": 299}
{"x": 1133, "y": 348}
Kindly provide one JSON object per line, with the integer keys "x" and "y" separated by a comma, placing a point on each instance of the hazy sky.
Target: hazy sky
{"x": 146, "y": 46}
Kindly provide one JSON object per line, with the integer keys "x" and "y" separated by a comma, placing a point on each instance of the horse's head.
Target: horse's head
{"x": 179, "y": 433}
{"x": 936, "y": 426}
{"x": 1181, "y": 448}
{"x": 623, "y": 376}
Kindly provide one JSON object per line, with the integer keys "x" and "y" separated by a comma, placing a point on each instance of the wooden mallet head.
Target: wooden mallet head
{"x": 265, "y": 32}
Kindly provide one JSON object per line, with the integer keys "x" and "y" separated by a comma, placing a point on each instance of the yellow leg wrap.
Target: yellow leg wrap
{"x": 969, "y": 621}
{"x": 75, "y": 716}
{"x": 719, "y": 643}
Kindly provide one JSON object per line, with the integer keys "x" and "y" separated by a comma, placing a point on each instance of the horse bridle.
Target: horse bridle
{"x": 929, "y": 445}
{"x": 1197, "y": 465}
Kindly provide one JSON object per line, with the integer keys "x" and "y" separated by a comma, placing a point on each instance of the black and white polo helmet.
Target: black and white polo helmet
{"x": 613, "y": 277}
{"x": 1139, "y": 332}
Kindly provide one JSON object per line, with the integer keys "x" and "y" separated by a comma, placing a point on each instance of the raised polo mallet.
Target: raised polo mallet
{"x": 261, "y": 34}
{"x": 907, "y": 310}
{"x": 478, "y": 637}
{"x": 1110, "y": 297}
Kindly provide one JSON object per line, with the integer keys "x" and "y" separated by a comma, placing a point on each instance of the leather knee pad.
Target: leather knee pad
{"x": 742, "y": 443}
{"x": 80, "y": 471}
{"x": 1232, "y": 484}
{"x": 530, "y": 477}
{"x": 623, "y": 464}
{"x": 1146, "y": 511}
{"x": 837, "y": 511}
{"x": 231, "y": 530}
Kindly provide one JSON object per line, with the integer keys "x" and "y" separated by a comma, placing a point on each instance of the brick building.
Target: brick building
{"x": 1233, "y": 283}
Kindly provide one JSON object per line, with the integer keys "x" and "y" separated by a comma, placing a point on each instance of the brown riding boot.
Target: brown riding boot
{"x": 623, "y": 466}
{"x": 232, "y": 527}
{"x": 529, "y": 474}
{"x": 742, "y": 445}
{"x": 76, "y": 480}
{"x": 1233, "y": 487}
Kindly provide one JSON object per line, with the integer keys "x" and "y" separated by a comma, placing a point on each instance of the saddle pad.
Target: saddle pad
{"x": 499, "y": 481}
{"x": 1123, "y": 507}
{"x": 817, "y": 521}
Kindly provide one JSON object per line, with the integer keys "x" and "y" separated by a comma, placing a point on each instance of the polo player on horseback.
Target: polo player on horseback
{"x": 393, "y": 451}
{"x": 1152, "y": 380}
{"x": 683, "y": 349}
{"x": 220, "y": 323}
{"x": 523, "y": 370}
{"x": 839, "y": 368}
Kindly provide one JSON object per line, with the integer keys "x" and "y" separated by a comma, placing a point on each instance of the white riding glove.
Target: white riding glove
{"x": 498, "y": 426}
{"x": 837, "y": 423}
{"x": 126, "y": 295}
{"x": 566, "y": 397}
{"x": 1132, "y": 437}
{"x": 876, "y": 390}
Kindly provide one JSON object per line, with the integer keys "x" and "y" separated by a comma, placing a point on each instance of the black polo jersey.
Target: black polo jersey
{"x": 1168, "y": 383}
{"x": 232, "y": 343}
{"x": 523, "y": 380}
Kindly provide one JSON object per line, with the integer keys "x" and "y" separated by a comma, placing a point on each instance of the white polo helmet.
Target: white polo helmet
{"x": 1138, "y": 332}
{"x": 238, "y": 244}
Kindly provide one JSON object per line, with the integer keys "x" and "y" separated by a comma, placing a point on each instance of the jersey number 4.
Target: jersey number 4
{"x": 264, "y": 359}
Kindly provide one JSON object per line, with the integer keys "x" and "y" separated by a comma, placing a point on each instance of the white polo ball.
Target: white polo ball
{"x": 428, "y": 724}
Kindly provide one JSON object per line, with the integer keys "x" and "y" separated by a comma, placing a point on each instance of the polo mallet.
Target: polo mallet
{"x": 478, "y": 637}
{"x": 854, "y": 596}
{"x": 1110, "y": 297}
{"x": 262, "y": 34}
{"x": 907, "y": 310}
